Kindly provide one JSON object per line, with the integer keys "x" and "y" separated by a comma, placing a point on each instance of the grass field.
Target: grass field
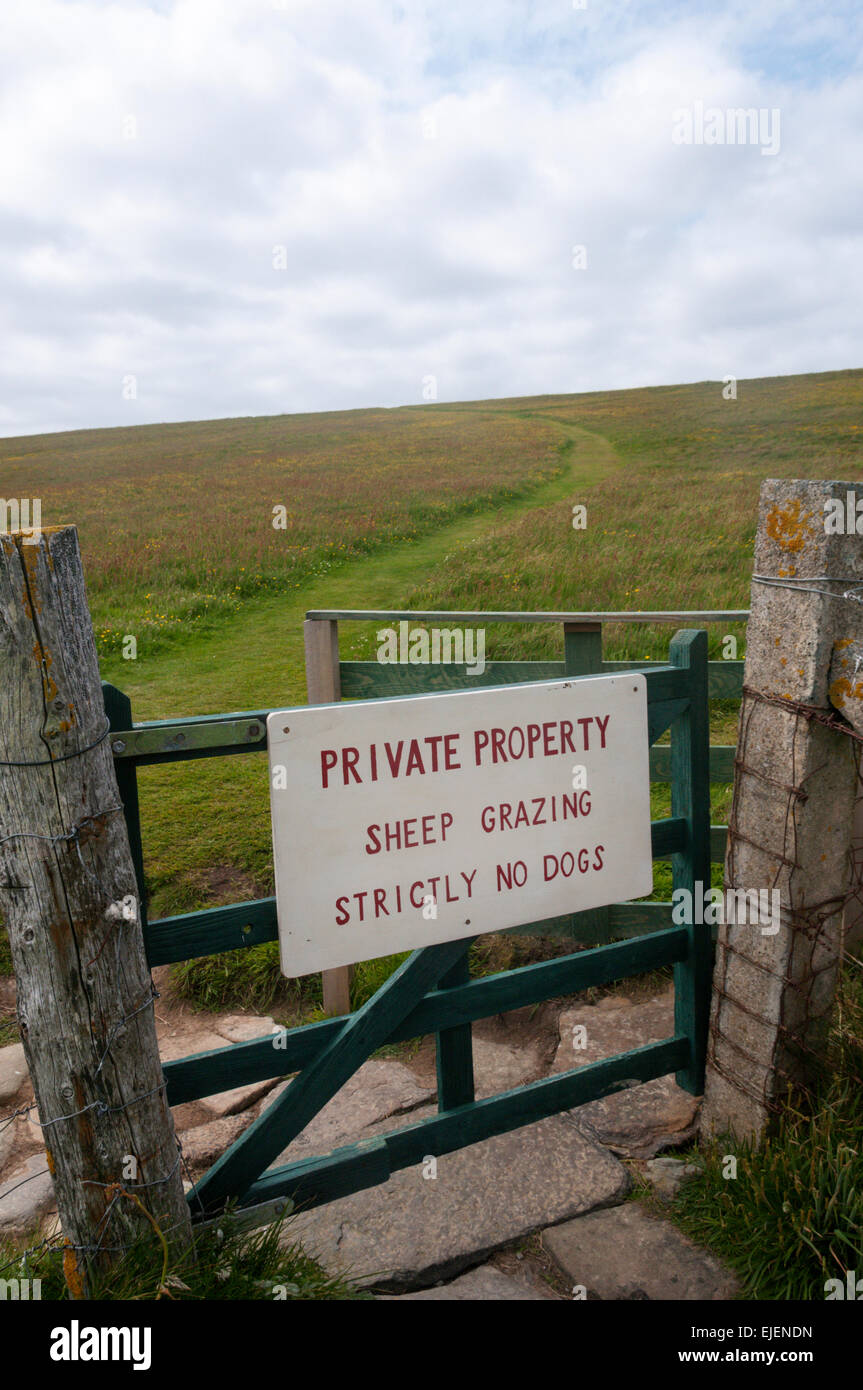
{"x": 177, "y": 521}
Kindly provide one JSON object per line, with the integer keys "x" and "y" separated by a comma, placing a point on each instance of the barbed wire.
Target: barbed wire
{"x": 789, "y": 1056}
{"x": 154, "y": 1182}
{"x": 72, "y": 836}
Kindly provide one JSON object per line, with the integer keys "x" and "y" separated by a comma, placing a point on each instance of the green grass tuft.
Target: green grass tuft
{"x": 226, "y": 1263}
{"x": 793, "y": 1216}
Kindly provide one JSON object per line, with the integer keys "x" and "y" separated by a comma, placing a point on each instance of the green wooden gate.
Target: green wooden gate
{"x": 432, "y": 991}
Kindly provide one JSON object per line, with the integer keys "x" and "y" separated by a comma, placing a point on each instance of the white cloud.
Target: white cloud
{"x": 427, "y": 169}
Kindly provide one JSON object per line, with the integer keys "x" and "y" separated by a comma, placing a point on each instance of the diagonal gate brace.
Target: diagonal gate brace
{"x": 363, "y": 1032}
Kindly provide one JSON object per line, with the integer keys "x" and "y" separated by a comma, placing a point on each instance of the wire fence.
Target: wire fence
{"x": 792, "y": 1057}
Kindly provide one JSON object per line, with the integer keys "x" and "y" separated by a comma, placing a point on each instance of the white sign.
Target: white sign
{"x": 401, "y": 823}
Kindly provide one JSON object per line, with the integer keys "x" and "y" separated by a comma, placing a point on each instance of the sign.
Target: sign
{"x": 399, "y": 823}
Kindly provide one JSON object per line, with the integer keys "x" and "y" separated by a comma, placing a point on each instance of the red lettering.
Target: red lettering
{"x": 434, "y": 740}
{"x": 414, "y": 762}
{"x": 394, "y": 766}
{"x": 468, "y": 880}
{"x": 350, "y": 758}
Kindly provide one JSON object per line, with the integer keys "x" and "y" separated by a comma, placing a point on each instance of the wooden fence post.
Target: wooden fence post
{"x": 321, "y": 638}
{"x": 70, "y": 900}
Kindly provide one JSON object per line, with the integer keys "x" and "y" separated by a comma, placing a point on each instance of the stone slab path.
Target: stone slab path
{"x": 555, "y": 1192}
{"x": 417, "y": 1229}
{"x": 628, "y": 1253}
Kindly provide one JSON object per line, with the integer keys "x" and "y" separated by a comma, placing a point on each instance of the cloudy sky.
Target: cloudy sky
{"x": 244, "y": 207}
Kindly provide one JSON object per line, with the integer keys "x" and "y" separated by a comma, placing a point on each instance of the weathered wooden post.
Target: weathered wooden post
{"x": 794, "y": 790}
{"x": 323, "y": 686}
{"x": 69, "y": 897}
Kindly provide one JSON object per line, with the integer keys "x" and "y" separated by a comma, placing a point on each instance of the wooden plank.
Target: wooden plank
{"x": 118, "y": 709}
{"x": 582, "y": 648}
{"x": 668, "y": 836}
{"x": 370, "y": 680}
{"x": 241, "y": 1064}
{"x": 454, "y": 1048}
{"x": 456, "y": 1129}
{"x": 208, "y": 1073}
{"x": 661, "y": 714}
{"x": 210, "y": 736}
{"x": 323, "y": 684}
{"x": 240, "y": 925}
{"x": 321, "y": 641}
{"x": 724, "y": 678}
{"x": 535, "y": 1101}
{"x": 210, "y": 931}
{"x": 640, "y": 919}
{"x": 357, "y": 1038}
{"x": 626, "y": 919}
{"x": 312, "y": 1181}
{"x": 457, "y": 616}
{"x": 718, "y": 836}
{"x": 690, "y": 797}
{"x": 666, "y": 683}
{"x": 721, "y": 763}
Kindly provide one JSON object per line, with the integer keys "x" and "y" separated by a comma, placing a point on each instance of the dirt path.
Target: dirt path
{"x": 255, "y": 659}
